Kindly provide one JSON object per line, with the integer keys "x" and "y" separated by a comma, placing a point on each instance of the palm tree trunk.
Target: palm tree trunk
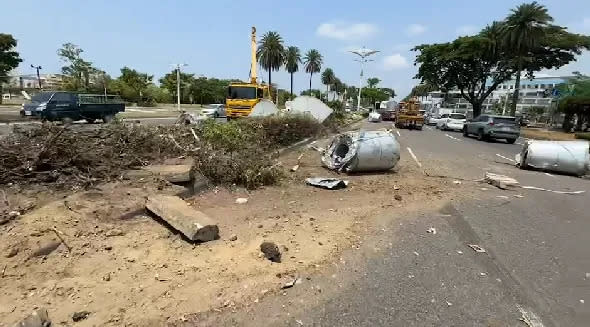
{"x": 291, "y": 85}
{"x": 327, "y": 90}
{"x": 516, "y": 88}
{"x": 269, "y": 84}
{"x": 310, "y": 76}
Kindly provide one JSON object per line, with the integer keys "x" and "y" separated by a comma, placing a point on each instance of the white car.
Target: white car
{"x": 213, "y": 110}
{"x": 454, "y": 121}
{"x": 434, "y": 120}
{"x": 374, "y": 116}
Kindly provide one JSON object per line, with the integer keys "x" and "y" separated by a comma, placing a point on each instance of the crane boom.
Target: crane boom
{"x": 253, "y": 75}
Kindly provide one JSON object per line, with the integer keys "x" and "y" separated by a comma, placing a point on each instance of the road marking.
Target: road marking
{"x": 529, "y": 318}
{"x": 398, "y": 134}
{"x": 549, "y": 175}
{"x": 452, "y": 137}
{"x": 517, "y": 143}
{"x": 505, "y": 158}
{"x": 414, "y": 157}
{"x": 428, "y": 128}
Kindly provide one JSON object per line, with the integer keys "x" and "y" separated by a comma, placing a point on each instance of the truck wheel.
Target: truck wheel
{"x": 510, "y": 141}
{"x": 108, "y": 118}
{"x": 90, "y": 120}
{"x": 67, "y": 121}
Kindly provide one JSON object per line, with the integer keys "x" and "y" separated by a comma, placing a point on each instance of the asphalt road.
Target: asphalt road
{"x": 535, "y": 269}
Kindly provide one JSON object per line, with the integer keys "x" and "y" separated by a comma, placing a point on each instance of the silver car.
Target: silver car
{"x": 493, "y": 127}
{"x": 213, "y": 110}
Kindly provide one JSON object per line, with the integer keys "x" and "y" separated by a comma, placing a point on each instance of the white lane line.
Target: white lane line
{"x": 529, "y": 318}
{"x": 398, "y": 134}
{"x": 518, "y": 143}
{"x": 505, "y": 158}
{"x": 414, "y": 157}
{"x": 452, "y": 137}
{"x": 549, "y": 175}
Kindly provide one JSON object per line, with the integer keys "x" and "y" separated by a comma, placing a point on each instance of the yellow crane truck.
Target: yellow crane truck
{"x": 242, "y": 97}
{"x": 408, "y": 115}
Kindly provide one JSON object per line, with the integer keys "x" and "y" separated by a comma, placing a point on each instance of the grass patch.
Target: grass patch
{"x": 583, "y": 136}
{"x": 540, "y": 134}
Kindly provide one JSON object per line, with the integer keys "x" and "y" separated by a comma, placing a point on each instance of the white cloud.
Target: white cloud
{"x": 346, "y": 31}
{"x": 395, "y": 61}
{"x": 466, "y": 30}
{"x": 415, "y": 29}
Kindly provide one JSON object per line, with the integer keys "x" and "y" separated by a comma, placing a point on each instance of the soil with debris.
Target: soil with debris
{"x": 99, "y": 251}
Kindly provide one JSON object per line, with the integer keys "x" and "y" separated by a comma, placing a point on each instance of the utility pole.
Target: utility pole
{"x": 177, "y": 67}
{"x": 38, "y": 68}
{"x": 363, "y": 54}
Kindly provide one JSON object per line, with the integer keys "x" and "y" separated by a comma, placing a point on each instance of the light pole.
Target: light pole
{"x": 177, "y": 67}
{"x": 38, "y": 68}
{"x": 363, "y": 53}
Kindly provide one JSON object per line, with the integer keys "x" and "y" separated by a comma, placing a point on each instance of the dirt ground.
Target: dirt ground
{"x": 127, "y": 269}
{"x": 543, "y": 134}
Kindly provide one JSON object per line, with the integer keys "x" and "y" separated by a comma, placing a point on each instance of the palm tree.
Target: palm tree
{"x": 522, "y": 32}
{"x": 372, "y": 82}
{"x": 292, "y": 61}
{"x": 313, "y": 63}
{"x": 328, "y": 78}
{"x": 271, "y": 53}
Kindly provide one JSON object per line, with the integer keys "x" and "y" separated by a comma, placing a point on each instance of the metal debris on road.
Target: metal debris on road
{"x": 327, "y": 183}
{"x": 569, "y": 157}
{"x": 312, "y": 106}
{"x": 476, "y": 248}
{"x": 362, "y": 151}
{"x": 416, "y": 253}
{"x": 431, "y": 230}
{"x": 241, "y": 200}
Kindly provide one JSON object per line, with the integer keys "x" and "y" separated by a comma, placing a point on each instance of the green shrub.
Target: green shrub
{"x": 583, "y": 136}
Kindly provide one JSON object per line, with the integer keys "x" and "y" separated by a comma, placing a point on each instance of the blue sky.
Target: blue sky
{"x": 212, "y": 37}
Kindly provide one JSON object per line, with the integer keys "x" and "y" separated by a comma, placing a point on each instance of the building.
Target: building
{"x": 535, "y": 93}
{"x": 30, "y": 81}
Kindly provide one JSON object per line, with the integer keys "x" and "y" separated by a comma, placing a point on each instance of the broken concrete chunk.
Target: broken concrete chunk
{"x": 193, "y": 224}
{"x": 271, "y": 251}
{"x": 39, "y": 318}
{"x": 500, "y": 181}
{"x": 171, "y": 173}
{"x": 114, "y": 232}
{"x": 241, "y": 200}
{"x": 81, "y": 315}
{"x": 327, "y": 183}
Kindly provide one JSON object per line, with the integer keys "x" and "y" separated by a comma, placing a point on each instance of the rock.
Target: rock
{"x": 260, "y": 225}
{"x": 114, "y": 232}
{"x": 80, "y": 315}
{"x": 397, "y": 197}
{"x": 193, "y": 224}
{"x": 12, "y": 252}
{"x": 271, "y": 251}
{"x": 171, "y": 173}
{"x": 39, "y": 318}
{"x": 106, "y": 277}
{"x": 46, "y": 249}
{"x": 234, "y": 237}
{"x": 108, "y": 247}
{"x": 241, "y": 200}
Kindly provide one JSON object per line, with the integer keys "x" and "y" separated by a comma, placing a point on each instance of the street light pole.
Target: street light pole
{"x": 38, "y": 68}
{"x": 363, "y": 54}
{"x": 177, "y": 66}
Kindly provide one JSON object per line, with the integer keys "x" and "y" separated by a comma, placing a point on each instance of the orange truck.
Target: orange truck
{"x": 409, "y": 115}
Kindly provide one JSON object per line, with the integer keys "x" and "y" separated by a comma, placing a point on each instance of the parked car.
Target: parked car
{"x": 70, "y": 106}
{"x": 438, "y": 118}
{"x": 213, "y": 111}
{"x": 493, "y": 127}
{"x": 455, "y": 122}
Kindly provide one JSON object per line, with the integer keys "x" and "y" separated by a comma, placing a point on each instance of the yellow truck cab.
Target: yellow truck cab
{"x": 242, "y": 97}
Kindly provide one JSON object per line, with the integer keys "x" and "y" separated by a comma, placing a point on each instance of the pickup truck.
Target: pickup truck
{"x": 70, "y": 106}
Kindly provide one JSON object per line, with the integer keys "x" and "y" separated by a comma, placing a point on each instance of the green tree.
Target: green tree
{"x": 574, "y": 100}
{"x": 312, "y": 92}
{"x": 422, "y": 89}
{"x": 313, "y": 63}
{"x": 9, "y": 58}
{"x": 271, "y": 53}
{"x": 338, "y": 86}
{"x": 328, "y": 78}
{"x": 373, "y": 94}
{"x": 523, "y": 32}
{"x": 292, "y": 61}
{"x": 77, "y": 70}
{"x": 169, "y": 83}
{"x": 372, "y": 82}
{"x": 136, "y": 81}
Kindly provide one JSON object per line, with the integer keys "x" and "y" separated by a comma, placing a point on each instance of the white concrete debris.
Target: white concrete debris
{"x": 310, "y": 106}
{"x": 241, "y": 200}
{"x": 362, "y": 151}
{"x": 264, "y": 108}
{"x": 569, "y": 157}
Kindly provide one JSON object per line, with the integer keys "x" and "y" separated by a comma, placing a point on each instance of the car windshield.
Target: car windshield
{"x": 241, "y": 92}
{"x": 504, "y": 120}
{"x": 457, "y": 116}
{"x": 41, "y": 97}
